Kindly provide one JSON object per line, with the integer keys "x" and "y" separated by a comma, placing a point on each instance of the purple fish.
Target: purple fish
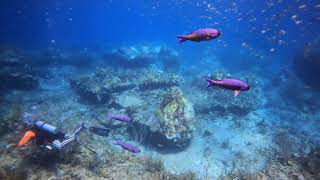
{"x": 127, "y": 146}
{"x": 120, "y": 117}
{"x": 200, "y": 35}
{"x": 231, "y": 84}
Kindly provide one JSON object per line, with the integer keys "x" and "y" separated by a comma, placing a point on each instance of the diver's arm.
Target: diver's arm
{"x": 58, "y": 145}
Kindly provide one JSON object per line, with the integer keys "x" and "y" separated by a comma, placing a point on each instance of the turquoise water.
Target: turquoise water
{"x": 73, "y": 62}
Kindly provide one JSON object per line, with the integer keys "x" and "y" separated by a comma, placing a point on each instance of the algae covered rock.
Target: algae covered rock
{"x": 176, "y": 118}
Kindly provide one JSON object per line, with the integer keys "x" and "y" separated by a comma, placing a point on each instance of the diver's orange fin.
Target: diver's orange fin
{"x": 26, "y": 137}
{"x": 236, "y": 92}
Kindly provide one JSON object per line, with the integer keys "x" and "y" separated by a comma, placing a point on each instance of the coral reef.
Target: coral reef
{"x": 153, "y": 80}
{"x": 176, "y": 118}
{"x": 99, "y": 87}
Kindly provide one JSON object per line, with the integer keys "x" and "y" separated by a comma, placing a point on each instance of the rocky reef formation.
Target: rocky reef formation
{"x": 222, "y": 102}
{"x": 99, "y": 87}
{"x": 15, "y": 72}
{"x": 168, "y": 127}
{"x": 307, "y": 64}
{"x": 176, "y": 118}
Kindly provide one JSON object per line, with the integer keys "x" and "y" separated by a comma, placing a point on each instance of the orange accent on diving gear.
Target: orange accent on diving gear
{"x": 26, "y": 137}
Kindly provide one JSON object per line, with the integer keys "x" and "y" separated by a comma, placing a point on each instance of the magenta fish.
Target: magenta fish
{"x": 231, "y": 84}
{"x": 120, "y": 117}
{"x": 127, "y": 146}
{"x": 200, "y": 35}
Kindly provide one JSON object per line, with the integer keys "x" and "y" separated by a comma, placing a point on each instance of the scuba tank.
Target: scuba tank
{"x": 46, "y": 127}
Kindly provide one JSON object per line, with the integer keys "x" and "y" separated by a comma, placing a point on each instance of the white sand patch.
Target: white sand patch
{"x": 229, "y": 149}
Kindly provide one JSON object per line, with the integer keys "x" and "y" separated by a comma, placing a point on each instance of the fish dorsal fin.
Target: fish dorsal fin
{"x": 236, "y": 92}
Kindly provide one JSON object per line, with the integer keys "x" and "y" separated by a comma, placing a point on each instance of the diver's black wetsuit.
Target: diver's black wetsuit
{"x": 45, "y": 137}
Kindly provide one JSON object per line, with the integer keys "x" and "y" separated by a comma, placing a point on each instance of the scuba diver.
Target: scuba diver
{"x": 46, "y": 136}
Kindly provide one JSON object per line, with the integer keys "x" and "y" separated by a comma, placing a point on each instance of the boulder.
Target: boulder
{"x": 176, "y": 120}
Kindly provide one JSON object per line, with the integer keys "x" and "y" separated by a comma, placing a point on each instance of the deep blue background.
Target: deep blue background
{"x": 34, "y": 24}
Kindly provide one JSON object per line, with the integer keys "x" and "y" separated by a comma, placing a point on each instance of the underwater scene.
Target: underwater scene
{"x": 160, "y": 89}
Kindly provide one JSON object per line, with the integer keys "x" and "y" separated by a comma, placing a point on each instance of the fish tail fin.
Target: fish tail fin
{"x": 109, "y": 117}
{"x": 26, "y": 137}
{"x": 210, "y": 83}
{"x": 116, "y": 142}
{"x": 182, "y": 39}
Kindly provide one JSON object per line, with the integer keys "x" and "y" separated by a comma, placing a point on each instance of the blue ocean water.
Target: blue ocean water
{"x": 73, "y": 62}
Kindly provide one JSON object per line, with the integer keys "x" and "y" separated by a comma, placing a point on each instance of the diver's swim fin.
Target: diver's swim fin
{"x": 26, "y": 137}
